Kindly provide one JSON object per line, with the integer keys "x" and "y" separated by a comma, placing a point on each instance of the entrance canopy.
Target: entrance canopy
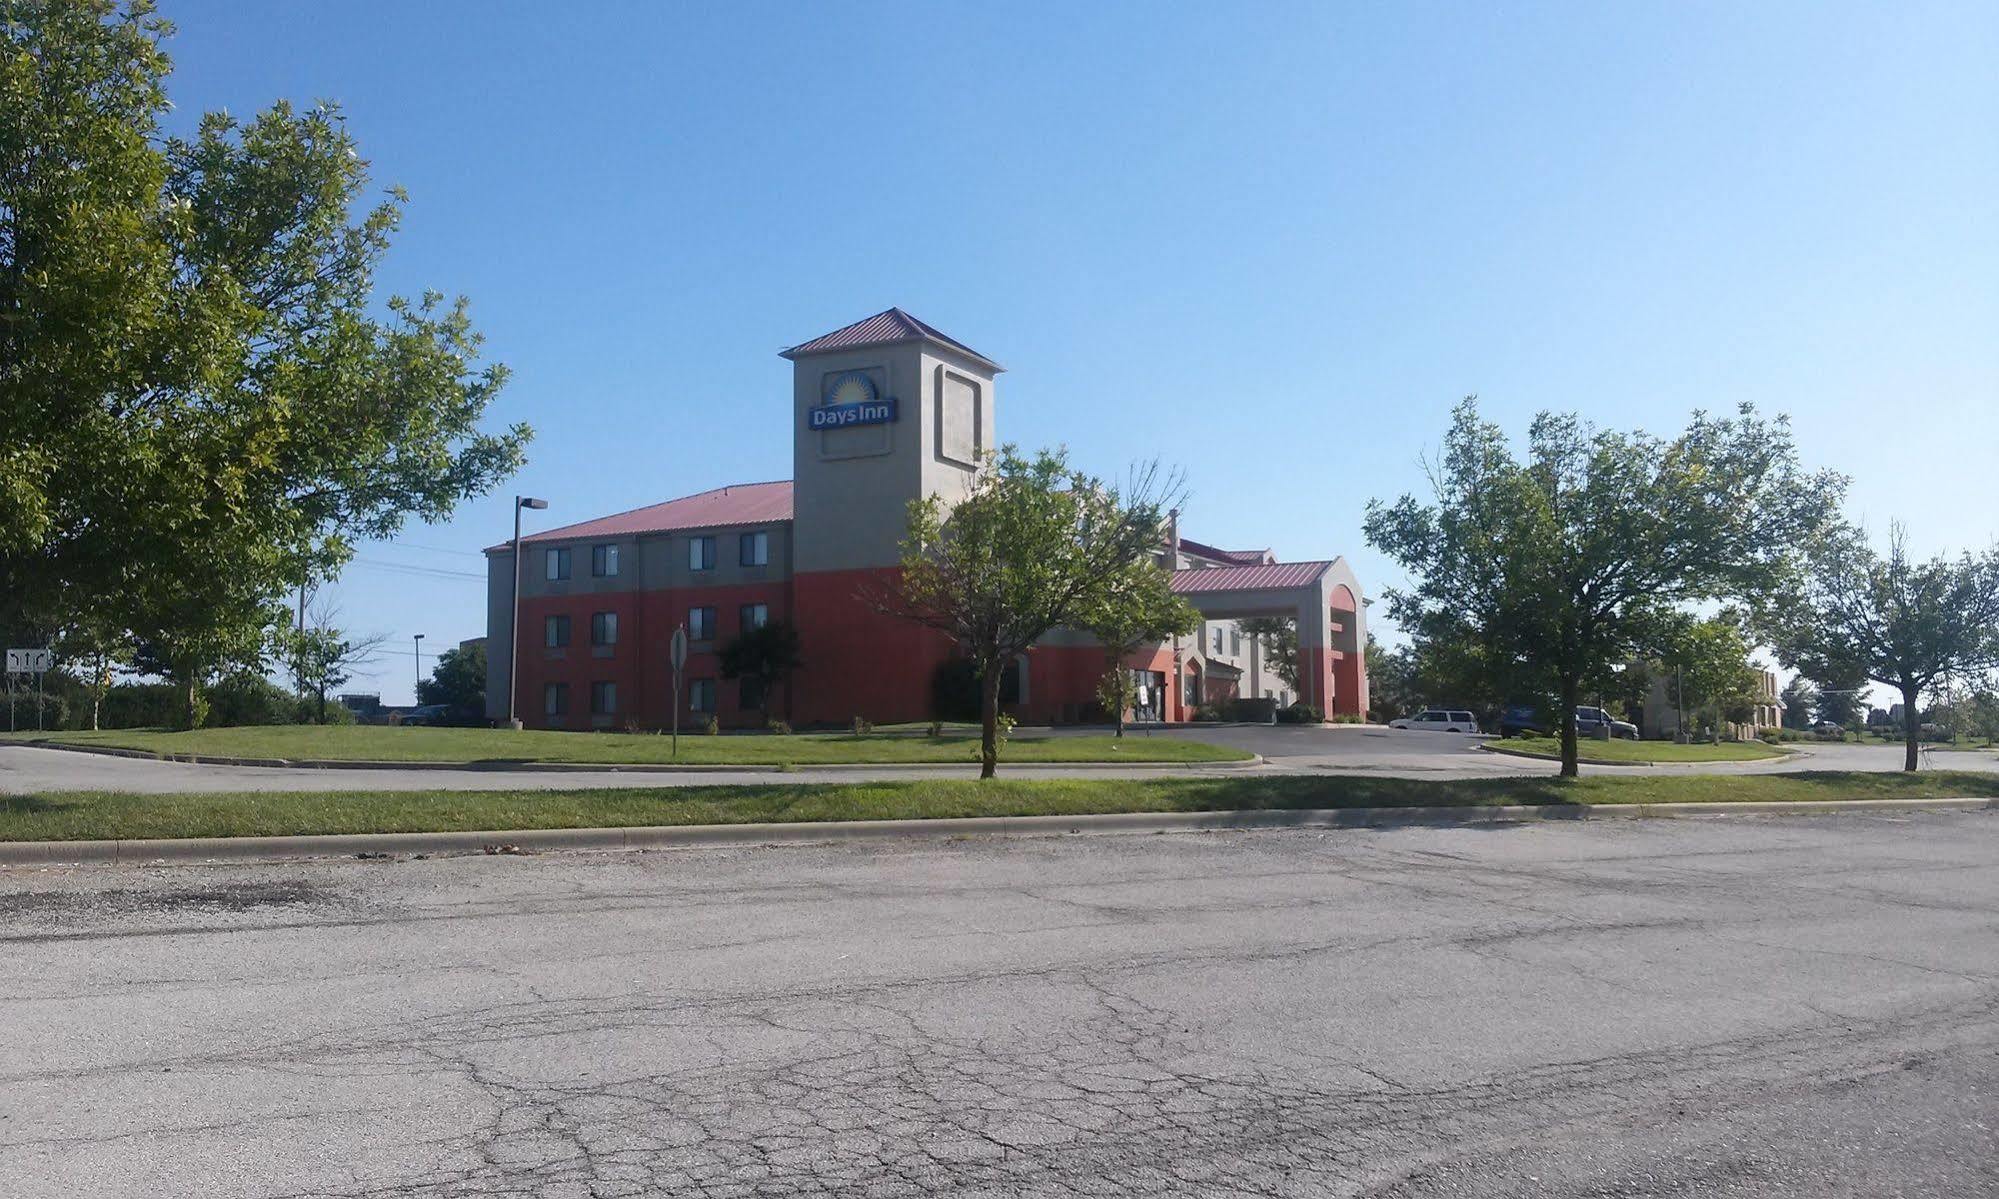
{"x": 1323, "y": 597}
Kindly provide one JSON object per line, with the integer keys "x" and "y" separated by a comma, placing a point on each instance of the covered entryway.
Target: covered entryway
{"x": 1324, "y": 598}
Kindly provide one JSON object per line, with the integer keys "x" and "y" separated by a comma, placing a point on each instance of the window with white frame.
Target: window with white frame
{"x": 701, "y": 695}
{"x": 558, "y": 564}
{"x": 603, "y": 699}
{"x": 555, "y": 699}
{"x": 603, "y": 628}
{"x": 754, "y": 549}
{"x": 604, "y": 561}
{"x": 755, "y": 616}
{"x": 701, "y": 624}
{"x": 700, "y": 553}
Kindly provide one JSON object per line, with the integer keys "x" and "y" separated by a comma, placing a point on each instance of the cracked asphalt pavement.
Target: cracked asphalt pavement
{"x": 1737, "y": 1006}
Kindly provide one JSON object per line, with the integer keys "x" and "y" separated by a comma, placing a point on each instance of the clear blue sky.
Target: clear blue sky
{"x": 1272, "y": 245}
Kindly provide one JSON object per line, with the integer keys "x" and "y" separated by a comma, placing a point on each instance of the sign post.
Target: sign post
{"x": 27, "y": 661}
{"x": 678, "y": 653}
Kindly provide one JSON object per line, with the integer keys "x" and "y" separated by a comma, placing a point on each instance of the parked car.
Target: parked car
{"x": 1525, "y": 718}
{"x": 1826, "y": 728}
{"x": 1438, "y": 720}
{"x": 428, "y": 714}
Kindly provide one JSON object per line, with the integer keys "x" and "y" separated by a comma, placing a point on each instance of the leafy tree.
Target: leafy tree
{"x": 206, "y": 400}
{"x": 458, "y": 681}
{"x": 1278, "y": 635}
{"x": 1705, "y": 664}
{"x": 1033, "y": 546}
{"x": 1801, "y": 701}
{"x": 321, "y": 655}
{"x": 1391, "y": 681}
{"x": 1842, "y": 698}
{"x": 1906, "y": 624}
{"x": 1136, "y": 609}
{"x": 1556, "y": 565}
{"x": 768, "y": 653}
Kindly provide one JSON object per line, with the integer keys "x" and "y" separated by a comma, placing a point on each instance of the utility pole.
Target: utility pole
{"x": 417, "y": 657}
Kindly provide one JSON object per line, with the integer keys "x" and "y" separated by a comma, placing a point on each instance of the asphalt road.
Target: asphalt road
{"x": 1725, "y": 1007}
{"x": 1288, "y": 749}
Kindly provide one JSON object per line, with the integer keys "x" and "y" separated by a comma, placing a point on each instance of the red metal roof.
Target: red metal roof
{"x": 1247, "y": 578}
{"x": 881, "y": 329}
{"x": 737, "y": 504}
{"x": 1240, "y": 557}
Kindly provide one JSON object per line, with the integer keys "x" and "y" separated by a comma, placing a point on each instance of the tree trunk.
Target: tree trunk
{"x": 1566, "y": 715}
{"x": 188, "y": 710}
{"x": 1912, "y": 726}
{"x": 989, "y": 689}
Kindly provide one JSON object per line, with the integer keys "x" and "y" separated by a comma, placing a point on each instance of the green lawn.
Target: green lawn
{"x": 1643, "y": 751}
{"x": 350, "y": 743}
{"x": 86, "y": 815}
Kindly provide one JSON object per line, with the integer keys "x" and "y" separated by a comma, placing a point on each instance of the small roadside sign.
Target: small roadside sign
{"x": 30, "y": 661}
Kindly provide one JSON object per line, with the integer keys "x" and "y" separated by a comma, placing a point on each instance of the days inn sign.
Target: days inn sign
{"x": 851, "y": 400}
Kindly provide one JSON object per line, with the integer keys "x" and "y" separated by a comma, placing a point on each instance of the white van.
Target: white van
{"x": 1438, "y": 720}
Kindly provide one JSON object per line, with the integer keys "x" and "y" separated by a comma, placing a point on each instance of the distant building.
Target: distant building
{"x": 882, "y": 412}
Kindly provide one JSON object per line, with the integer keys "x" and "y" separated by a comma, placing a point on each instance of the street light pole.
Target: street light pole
{"x": 416, "y": 655}
{"x": 514, "y": 621}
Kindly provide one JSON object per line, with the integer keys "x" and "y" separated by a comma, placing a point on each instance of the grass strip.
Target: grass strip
{"x": 376, "y": 743}
{"x": 93, "y": 815}
{"x": 1642, "y": 751}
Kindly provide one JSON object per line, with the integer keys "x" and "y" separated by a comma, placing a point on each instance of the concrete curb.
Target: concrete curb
{"x": 691, "y": 836}
{"x": 531, "y": 767}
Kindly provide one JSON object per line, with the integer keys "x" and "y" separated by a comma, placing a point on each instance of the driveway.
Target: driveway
{"x": 1734, "y": 1007}
{"x": 1287, "y": 749}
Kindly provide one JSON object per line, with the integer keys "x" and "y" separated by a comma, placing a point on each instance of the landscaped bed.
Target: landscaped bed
{"x": 376, "y": 743}
{"x": 85, "y": 815}
{"x": 1641, "y": 752}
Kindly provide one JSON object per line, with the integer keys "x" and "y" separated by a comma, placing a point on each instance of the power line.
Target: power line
{"x": 411, "y": 568}
{"x": 433, "y": 549}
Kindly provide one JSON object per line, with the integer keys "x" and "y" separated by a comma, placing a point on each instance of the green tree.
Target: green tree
{"x": 1033, "y": 546}
{"x": 1801, "y": 701}
{"x": 1136, "y": 609}
{"x": 1906, "y": 624}
{"x": 1391, "y": 681}
{"x": 1705, "y": 665}
{"x": 458, "y": 681}
{"x": 206, "y": 400}
{"x": 1278, "y": 637}
{"x": 1842, "y": 697}
{"x": 768, "y": 653}
{"x": 1556, "y": 565}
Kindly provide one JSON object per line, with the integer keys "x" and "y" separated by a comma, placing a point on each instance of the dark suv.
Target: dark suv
{"x": 1529, "y": 718}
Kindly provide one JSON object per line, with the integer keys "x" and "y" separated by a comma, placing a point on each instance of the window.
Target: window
{"x": 604, "y": 561}
{"x": 1218, "y": 639}
{"x": 753, "y": 694}
{"x": 555, "y": 699}
{"x": 603, "y": 699}
{"x": 700, "y": 553}
{"x": 603, "y": 628}
{"x": 556, "y": 632}
{"x": 1235, "y": 641}
{"x": 755, "y": 549}
{"x": 701, "y": 624}
{"x": 701, "y": 695}
{"x": 558, "y": 564}
{"x": 755, "y": 616}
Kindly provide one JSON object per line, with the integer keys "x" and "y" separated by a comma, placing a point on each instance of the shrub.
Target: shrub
{"x": 1300, "y": 713}
{"x": 1349, "y": 718}
{"x": 936, "y": 728}
{"x": 713, "y": 727}
{"x": 780, "y": 728}
{"x": 863, "y": 726}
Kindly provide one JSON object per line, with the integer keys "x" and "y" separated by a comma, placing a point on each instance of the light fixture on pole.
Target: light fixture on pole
{"x": 514, "y": 621}
{"x": 417, "y": 656}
